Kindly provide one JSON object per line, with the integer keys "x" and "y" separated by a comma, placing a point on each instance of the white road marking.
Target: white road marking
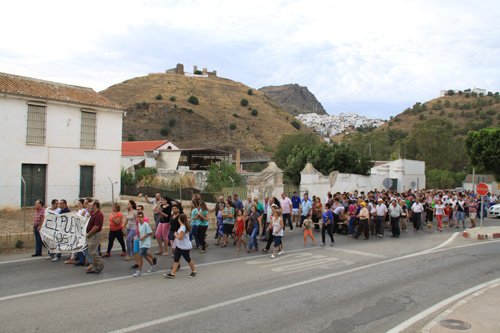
{"x": 275, "y": 290}
{"x": 404, "y": 325}
{"x": 379, "y": 256}
{"x": 21, "y": 260}
{"x": 71, "y": 286}
{"x": 84, "y": 284}
{"x": 450, "y": 239}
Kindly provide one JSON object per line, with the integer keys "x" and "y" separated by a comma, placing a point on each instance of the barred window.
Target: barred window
{"x": 35, "y": 132}
{"x": 88, "y": 130}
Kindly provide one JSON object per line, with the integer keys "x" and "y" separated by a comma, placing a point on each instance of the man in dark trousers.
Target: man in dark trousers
{"x": 93, "y": 236}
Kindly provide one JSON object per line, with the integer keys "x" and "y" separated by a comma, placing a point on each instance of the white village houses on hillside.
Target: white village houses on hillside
{"x": 58, "y": 141}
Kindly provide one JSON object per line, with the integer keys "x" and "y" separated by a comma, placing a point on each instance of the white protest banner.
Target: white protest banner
{"x": 64, "y": 232}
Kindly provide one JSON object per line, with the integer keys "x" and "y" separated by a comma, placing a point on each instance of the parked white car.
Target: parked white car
{"x": 494, "y": 211}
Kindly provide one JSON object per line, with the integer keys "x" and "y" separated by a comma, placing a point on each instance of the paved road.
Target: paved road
{"x": 355, "y": 286}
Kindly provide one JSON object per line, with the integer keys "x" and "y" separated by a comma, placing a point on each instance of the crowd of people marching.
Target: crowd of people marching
{"x": 247, "y": 224}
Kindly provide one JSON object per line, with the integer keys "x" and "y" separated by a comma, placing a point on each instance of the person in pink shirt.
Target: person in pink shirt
{"x": 286, "y": 207}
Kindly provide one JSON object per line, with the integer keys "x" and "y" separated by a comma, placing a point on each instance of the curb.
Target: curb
{"x": 481, "y": 235}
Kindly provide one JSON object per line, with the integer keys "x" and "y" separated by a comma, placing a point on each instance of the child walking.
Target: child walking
{"x": 239, "y": 228}
{"x": 145, "y": 234}
{"x": 308, "y": 231}
{"x": 183, "y": 247}
{"x": 278, "y": 227}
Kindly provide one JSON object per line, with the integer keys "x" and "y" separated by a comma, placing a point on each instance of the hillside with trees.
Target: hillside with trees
{"x": 197, "y": 111}
{"x": 433, "y": 131}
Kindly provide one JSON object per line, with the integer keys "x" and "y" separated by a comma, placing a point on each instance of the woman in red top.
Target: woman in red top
{"x": 115, "y": 230}
{"x": 239, "y": 228}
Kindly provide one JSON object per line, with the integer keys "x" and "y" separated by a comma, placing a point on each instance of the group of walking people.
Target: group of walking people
{"x": 254, "y": 222}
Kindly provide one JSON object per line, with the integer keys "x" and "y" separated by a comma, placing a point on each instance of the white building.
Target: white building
{"x": 493, "y": 186}
{"x": 144, "y": 153}
{"x": 58, "y": 141}
{"x": 403, "y": 175}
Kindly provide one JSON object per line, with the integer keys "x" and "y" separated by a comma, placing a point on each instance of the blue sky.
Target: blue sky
{"x": 371, "y": 57}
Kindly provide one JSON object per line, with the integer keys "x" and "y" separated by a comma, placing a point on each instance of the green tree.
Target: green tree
{"x": 296, "y": 124}
{"x": 483, "y": 148}
{"x": 287, "y": 143}
{"x": 437, "y": 178}
{"x": 244, "y": 102}
{"x": 325, "y": 158}
{"x": 223, "y": 175}
{"x": 193, "y": 100}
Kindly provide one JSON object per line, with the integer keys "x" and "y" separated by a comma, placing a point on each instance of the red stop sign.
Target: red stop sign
{"x": 482, "y": 189}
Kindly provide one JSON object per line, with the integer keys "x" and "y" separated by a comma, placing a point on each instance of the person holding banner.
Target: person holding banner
{"x": 37, "y": 224}
{"x": 93, "y": 236}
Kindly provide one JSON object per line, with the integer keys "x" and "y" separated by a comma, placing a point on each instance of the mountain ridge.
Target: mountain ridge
{"x": 294, "y": 99}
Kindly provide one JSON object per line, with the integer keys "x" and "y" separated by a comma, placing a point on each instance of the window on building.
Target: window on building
{"x": 86, "y": 181}
{"x": 35, "y": 133}
{"x": 88, "y": 130}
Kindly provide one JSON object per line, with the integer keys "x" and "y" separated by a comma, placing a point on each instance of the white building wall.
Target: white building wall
{"x": 493, "y": 187}
{"x": 168, "y": 160}
{"x": 61, "y": 153}
{"x": 316, "y": 183}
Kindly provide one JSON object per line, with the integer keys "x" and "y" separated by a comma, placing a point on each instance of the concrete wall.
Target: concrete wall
{"x": 168, "y": 160}
{"x": 493, "y": 187}
{"x": 61, "y": 152}
{"x": 405, "y": 171}
{"x": 315, "y": 183}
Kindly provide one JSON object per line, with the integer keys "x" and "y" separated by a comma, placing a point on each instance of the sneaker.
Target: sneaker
{"x": 106, "y": 255}
{"x": 280, "y": 253}
{"x": 155, "y": 261}
{"x": 153, "y": 269}
{"x": 203, "y": 251}
{"x": 135, "y": 266}
{"x": 36, "y": 255}
{"x": 380, "y": 236}
{"x": 192, "y": 275}
{"x": 49, "y": 257}
{"x": 56, "y": 259}
{"x": 272, "y": 256}
{"x": 169, "y": 275}
{"x": 323, "y": 244}
{"x": 137, "y": 274}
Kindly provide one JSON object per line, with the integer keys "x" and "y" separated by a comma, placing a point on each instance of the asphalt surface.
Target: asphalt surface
{"x": 355, "y": 286}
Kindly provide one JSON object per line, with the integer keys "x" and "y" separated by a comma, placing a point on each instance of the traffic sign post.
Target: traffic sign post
{"x": 482, "y": 190}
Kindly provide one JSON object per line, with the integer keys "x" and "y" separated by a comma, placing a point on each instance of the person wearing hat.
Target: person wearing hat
{"x": 381, "y": 209}
{"x": 364, "y": 217}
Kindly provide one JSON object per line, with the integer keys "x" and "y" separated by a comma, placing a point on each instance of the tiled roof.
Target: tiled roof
{"x": 137, "y": 148}
{"x": 28, "y": 87}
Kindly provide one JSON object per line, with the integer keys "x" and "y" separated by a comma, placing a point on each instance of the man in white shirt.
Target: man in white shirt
{"x": 417, "y": 208}
{"x": 306, "y": 208}
{"x": 381, "y": 209}
{"x": 493, "y": 200}
{"x": 395, "y": 212}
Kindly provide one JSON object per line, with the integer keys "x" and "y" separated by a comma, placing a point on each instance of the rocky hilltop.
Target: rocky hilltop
{"x": 201, "y": 111}
{"x": 294, "y": 99}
